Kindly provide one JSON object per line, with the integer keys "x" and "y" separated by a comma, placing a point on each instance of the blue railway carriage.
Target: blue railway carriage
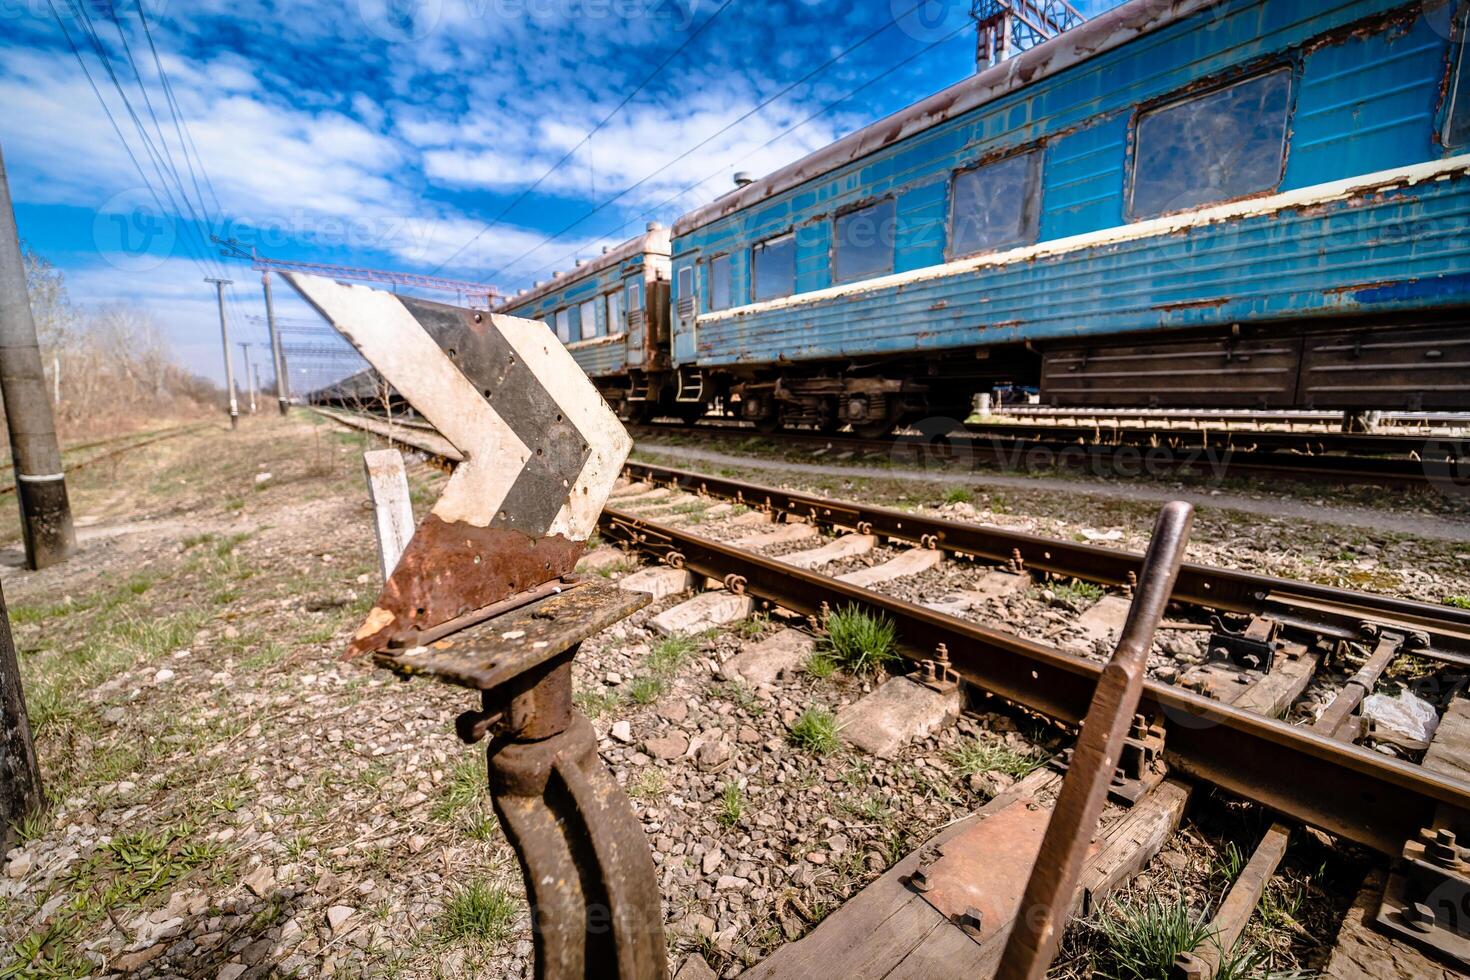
{"x": 612, "y": 313}
{"x": 1244, "y": 203}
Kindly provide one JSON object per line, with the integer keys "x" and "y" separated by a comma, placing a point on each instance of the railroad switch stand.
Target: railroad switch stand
{"x": 588, "y": 871}
{"x": 483, "y": 596}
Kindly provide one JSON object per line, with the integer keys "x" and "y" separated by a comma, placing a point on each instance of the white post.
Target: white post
{"x": 392, "y": 510}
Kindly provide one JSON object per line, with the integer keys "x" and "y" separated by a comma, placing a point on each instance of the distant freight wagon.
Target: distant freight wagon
{"x": 1205, "y": 203}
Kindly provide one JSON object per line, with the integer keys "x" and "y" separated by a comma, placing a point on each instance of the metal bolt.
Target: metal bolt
{"x": 1420, "y": 917}
{"x": 920, "y": 880}
{"x": 970, "y": 920}
{"x": 941, "y": 653}
{"x": 1441, "y": 848}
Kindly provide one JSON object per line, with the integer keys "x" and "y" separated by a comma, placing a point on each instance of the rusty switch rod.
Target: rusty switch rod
{"x": 1053, "y": 882}
{"x": 1335, "y": 715}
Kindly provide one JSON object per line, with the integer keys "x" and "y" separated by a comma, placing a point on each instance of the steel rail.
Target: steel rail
{"x": 1358, "y": 794}
{"x": 1365, "y": 797}
{"x": 153, "y": 437}
{"x": 1319, "y": 607}
{"x": 1437, "y": 459}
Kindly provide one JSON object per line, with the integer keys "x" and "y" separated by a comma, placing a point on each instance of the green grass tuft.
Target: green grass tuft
{"x": 815, "y": 731}
{"x": 732, "y": 805}
{"x": 973, "y": 756}
{"x": 1458, "y": 601}
{"x": 480, "y": 911}
{"x": 958, "y": 495}
{"x": 820, "y": 665}
{"x": 671, "y": 653}
{"x": 595, "y": 704}
{"x": 1142, "y": 938}
{"x": 859, "y": 642}
{"x": 646, "y": 690}
{"x": 466, "y": 788}
{"x": 1252, "y": 964}
{"x": 1076, "y": 594}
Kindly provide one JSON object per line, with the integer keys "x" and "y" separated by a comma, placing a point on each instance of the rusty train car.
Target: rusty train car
{"x": 1204, "y": 203}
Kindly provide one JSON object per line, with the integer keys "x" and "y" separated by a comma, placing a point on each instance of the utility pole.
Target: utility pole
{"x": 283, "y": 391}
{"x": 40, "y": 483}
{"x": 20, "y": 776}
{"x": 224, "y": 336}
{"x": 245, "y": 353}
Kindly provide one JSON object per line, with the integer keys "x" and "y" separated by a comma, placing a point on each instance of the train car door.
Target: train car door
{"x": 637, "y": 319}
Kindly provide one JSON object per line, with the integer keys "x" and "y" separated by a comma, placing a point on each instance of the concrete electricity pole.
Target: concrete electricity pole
{"x": 40, "y": 484}
{"x": 20, "y": 776}
{"x": 283, "y": 391}
{"x": 224, "y": 336}
{"x": 249, "y": 385}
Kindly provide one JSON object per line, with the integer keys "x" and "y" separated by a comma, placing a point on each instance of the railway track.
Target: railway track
{"x": 1387, "y": 459}
{"x": 1218, "y": 720}
{"x": 131, "y": 441}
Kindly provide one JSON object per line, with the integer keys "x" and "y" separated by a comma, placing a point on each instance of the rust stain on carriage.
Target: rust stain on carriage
{"x": 1357, "y": 287}
{"x": 1197, "y": 304}
{"x": 450, "y": 569}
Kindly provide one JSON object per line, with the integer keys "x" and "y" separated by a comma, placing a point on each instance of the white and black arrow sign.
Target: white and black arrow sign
{"x": 541, "y": 451}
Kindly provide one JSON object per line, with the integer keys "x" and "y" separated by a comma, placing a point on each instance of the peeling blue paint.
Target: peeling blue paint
{"x": 1365, "y": 100}
{"x": 1438, "y": 287}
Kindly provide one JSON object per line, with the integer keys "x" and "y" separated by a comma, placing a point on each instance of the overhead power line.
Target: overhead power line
{"x": 658, "y": 208}
{"x": 603, "y": 122}
{"x": 708, "y": 139}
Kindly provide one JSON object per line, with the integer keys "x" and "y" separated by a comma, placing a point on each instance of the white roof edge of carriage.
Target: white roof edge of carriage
{"x": 654, "y": 241}
{"x": 1102, "y": 33}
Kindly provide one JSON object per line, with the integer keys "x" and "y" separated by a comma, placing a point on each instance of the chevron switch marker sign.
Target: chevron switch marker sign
{"x": 541, "y": 451}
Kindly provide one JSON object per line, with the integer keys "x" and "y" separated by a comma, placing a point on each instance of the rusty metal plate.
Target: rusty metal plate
{"x": 484, "y": 657}
{"x": 986, "y": 867}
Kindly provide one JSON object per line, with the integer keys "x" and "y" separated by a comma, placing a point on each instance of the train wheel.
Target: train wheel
{"x": 635, "y": 413}
{"x": 690, "y": 414}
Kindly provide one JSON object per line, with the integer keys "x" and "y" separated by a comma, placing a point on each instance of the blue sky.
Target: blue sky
{"x": 394, "y": 133}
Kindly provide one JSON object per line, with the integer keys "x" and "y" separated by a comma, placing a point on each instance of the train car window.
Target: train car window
{"x": 1215, "y": 147}
{"x": 564, "y": 326}
{"x": 635, "y": 290}
{"x": 862, "y": 242}
{"x": 589, "y": 319}
{"x": 994, "y": 206}
{"x": 574, "y": 323}
{"x": 719, "y": 283}
{"x": 1457, "y": 126}
{"x": 773, "y": 268}
{"x": 614, "y": 312}
{"x": 686, "y": 282}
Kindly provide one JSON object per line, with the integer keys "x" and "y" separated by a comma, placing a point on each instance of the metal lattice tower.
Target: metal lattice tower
{"x": 471, "y": 293}
{"x": 1005, "y": 28}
